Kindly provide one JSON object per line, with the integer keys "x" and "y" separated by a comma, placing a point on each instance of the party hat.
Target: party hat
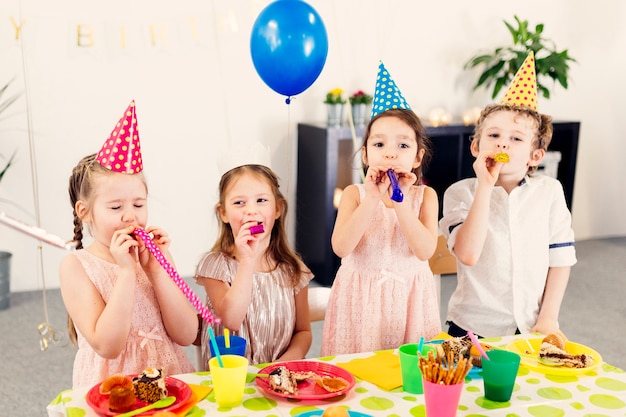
{"x": 122, "y": 152}
{"x": 523, "y": 89}
{"x": 387, "y": 95}
{"x": 244, "y": 154}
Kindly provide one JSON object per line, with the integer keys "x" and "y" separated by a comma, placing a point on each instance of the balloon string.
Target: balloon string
{"x": 50, "y": 333}
{"x": 205, "y": 313}
{"x": 355, "y": 142}
{"x": 289, "y": 156}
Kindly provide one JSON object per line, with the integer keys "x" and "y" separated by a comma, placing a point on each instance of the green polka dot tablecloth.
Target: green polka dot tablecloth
{"x": 593, "y": 393}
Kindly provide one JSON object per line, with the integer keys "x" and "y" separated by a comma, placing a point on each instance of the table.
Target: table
{"x": 598, "y": 392}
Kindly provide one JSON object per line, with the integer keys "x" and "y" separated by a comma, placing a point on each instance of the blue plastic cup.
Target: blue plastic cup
{"x": 237, "y": 346}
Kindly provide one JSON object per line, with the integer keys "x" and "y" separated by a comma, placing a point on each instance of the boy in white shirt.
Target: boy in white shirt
{"x": 509, "y": 230}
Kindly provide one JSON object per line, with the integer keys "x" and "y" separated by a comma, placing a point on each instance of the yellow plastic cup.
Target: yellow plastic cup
{"x": 229, "y": 381}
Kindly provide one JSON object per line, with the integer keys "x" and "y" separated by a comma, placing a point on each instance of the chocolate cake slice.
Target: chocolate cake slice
{"x": 552, "y": 353}
{"x": 150, "y": 385}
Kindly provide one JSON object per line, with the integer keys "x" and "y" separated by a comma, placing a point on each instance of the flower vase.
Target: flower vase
{"x": 359, "y": 114}
{"x": 335, "y": 114}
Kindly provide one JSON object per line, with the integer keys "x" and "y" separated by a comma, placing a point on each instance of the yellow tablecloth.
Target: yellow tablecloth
{"x": 599, "y": 392}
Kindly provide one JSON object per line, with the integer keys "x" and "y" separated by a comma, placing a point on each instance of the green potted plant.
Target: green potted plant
{"x": 500, "y": 66}
{"x": 5, "y": 257}
{"x": 5, "y": 104}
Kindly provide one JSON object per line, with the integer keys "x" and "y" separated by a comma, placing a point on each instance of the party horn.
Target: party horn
{"x": 256, "y": 229}
{"x": 396, "y": 193}
{"x": 205, "y": 313}
{"x": 37, "y": 232}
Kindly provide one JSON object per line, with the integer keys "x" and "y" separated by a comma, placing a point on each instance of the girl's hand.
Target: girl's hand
{"x": 124, "y": 247}
{"x": 406, "y": 179}
{"x": 148, "y": 262}
{"x": 486, "y": 169}
{"x": 247, "y": 244}
{"x": 376, "y": 181}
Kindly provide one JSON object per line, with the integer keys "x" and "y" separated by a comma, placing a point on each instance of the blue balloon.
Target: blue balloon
{"x": 289, "y": 46}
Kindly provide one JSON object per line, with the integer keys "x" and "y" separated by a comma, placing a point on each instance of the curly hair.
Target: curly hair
{"x": 543, "y": 124}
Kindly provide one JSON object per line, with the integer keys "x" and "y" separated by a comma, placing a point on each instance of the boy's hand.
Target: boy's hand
{"x": 547, "y": 327}
{"x": 486, "y": 169}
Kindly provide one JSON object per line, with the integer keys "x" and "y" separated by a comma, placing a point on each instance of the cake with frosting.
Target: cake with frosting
{"x": 150, "y": 385}
{"x": 456, "y": 347}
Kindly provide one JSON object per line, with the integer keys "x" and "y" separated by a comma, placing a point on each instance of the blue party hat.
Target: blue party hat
{"x": 387, "y": 95}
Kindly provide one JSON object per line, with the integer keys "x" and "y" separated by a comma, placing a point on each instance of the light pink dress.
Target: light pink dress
{"x": 383, "y": 296}
{"x": 147, "y": 345}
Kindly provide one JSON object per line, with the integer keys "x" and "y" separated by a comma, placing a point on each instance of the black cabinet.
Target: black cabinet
{"x": 326, "y": 161}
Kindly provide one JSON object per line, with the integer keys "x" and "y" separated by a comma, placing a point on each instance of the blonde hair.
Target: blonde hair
{"x": 81, "y": 187}
{"x": 543, "y": 123}
{"x": 279, "y": 250}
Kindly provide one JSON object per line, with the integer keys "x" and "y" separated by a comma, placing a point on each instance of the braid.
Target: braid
{"x": 78, "y": 231}
{"x": 79, "y": 187}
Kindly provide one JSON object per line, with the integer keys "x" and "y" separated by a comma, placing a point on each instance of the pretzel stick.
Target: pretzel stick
{"x": 451, "y": 373}
{"x": 426, "y": 372}
{"x": 460, "y": 374}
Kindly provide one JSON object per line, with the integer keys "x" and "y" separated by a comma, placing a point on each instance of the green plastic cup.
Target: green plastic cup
{"x": 499, "y": 373}
{"x": 411, "y": 374}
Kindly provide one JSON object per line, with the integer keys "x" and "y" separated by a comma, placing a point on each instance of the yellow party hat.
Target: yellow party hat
{"x": 522, "y": 91}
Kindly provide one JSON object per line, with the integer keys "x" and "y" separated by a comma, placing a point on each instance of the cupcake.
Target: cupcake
{"x": 476, "y": 357}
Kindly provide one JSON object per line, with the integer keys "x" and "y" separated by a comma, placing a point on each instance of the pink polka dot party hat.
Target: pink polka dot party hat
{"x": 121, "y": 152}
{"x": 522, "y": 91}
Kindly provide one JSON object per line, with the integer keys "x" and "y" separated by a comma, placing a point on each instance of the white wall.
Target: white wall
{"x": 198, "y": 92}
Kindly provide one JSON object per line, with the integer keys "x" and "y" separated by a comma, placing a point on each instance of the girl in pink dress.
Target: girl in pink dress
{"x": 125, "y": 312}
{"x": 384, "y": 294}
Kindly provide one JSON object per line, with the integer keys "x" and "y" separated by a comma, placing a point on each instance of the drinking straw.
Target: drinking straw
{"x": 477, "y": 344}
{"x": 420, "y": 345}
{"x": 215, "y": 349}
{"x": 227, "y": 338}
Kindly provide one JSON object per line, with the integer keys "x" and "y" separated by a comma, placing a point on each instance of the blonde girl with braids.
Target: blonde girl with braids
{"x": 125, "y": 312}
{"x": 256, "y": 283}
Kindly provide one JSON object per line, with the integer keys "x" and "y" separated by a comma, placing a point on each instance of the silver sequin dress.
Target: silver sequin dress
{"x": 271, "y": 317}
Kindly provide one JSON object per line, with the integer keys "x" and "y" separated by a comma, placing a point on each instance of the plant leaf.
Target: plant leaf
{"x": 6, "y": 167}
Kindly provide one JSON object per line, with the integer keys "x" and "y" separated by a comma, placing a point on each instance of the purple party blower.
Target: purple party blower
{"x": 396, "y": 192}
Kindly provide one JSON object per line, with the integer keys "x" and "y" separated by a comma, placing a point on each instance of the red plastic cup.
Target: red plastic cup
{"x": 441, "y": 400}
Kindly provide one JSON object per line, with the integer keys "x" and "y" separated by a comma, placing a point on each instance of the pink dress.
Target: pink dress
{"x": 147, "y": 345}
{"x": 383, "y": 296}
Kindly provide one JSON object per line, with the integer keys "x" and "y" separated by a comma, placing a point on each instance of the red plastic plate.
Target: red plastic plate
{"x": 308, "y": 389}
{"x": 175, "y": 387}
